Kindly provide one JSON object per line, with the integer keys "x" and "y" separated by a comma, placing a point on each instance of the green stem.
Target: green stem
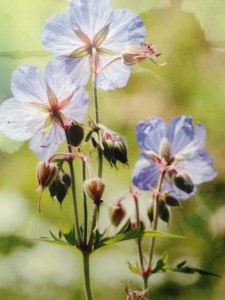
{"x": 85, "y": 205}
{"x": 100, "y": 153}
{"x": 139, "y": 240}
{"x": 156, "y": 217}
{"x": 86, "y": 270}
{"x": 74, "y": 194}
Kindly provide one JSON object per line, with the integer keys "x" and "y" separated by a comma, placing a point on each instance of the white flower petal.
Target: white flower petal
{"x": 90, "y": 15}
{"x": 44, "y": 144}
{"x": 59, "y": 37}
{"x": 71, "y": 71}
{"x": 127, "y": 28}
{"x": 14, "y": 117}
{"x": 78, "y": 106}
{"x": 113, "y": 76}
{"x": 28, "y": 85}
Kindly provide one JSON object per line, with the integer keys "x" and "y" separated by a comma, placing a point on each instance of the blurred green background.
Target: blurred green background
{"x": 191, "y": 37}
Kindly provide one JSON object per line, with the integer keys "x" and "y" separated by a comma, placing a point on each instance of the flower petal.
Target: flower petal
{"x": 78, "y": 106}
{"x": 184, "y": 137}
{"x": 14, "y": 116}
{"x": 28, "y": 85}
{"x": 44, "y": 144}
{"x": 150, "y": 133}
{"x": 198, "y": 167}
{"x": 70, "y": 70}
{"x": 177, "y": 193}
{"x": 59, "y": 37}
{"x": 90, "y": 15}
{"x": 126, "y": 28}
{"x": 114, "y": 75}
{"x": 145, "y": 173}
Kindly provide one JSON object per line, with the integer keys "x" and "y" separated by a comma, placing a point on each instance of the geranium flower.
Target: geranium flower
{"x": 90, "y": 36}
{"x": 40, "y": 107}
{"x": 174, "y": 149}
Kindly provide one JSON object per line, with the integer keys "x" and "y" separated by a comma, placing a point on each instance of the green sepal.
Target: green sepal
{"x": 161, "y": 263}
{"x": 69, "y": 235}
{"x": 134, "y": 269}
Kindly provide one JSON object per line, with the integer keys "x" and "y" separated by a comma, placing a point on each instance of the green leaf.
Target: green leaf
{"x": 56, "y": 240}
{"x": 125, "y": 227}
{"x": 134, "y": 269}
{"x": 9, "y": 243}
{"x": 161, "y": 263}
{"x": 181, "y": 268}
{"x": 133, "y": 234}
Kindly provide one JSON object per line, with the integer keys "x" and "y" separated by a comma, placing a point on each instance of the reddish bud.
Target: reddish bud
{"x": 116, "y": 213}
{"x": 46, "y": 172}
{"x": 94, "y": 187}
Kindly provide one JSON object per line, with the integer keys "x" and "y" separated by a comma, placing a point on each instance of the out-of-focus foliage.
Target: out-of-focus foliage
{"x": 191, "y": 37}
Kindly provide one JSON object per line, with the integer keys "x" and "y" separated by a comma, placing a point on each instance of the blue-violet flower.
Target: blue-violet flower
{"x": 174, "y": 149}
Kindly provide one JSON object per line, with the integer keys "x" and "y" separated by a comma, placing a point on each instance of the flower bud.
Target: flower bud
{"x": 114, "y": 146}
{"x": 46, "y": 172}
{"x": 133, "y": 223}
{"x": 58, "y": 189}
{"x": 75, "y": 134}
{"x": 94, "y": 187}
{"x": 66, "y": 180}
{"x": 183, "y": 182}
{"x": 116, "y": 213}
{"x": 171, "y": 201}
{"x": 150, "y": 213}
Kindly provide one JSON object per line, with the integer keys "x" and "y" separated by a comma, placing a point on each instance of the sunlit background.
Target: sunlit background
{"x": 190, "y": 35}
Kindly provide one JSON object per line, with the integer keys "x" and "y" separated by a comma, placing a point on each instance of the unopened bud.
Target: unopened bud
{"x": 66, "y": 180}
{"x": 94, "y": 187}
{"x": 46, "y": 172}
{"x": 171, "y": 201}
{"x": 116, "y": 213}
{"x": 164, "y": 214}
{"x": 150, "y": 212}
{"x": 183, "y": 182}
{"x": 75, "y": 134}
{"x": 134, "y": 224}
{"x": 58, "y": 189}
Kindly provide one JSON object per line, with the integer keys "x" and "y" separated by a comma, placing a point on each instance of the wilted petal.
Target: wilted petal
{"x": 14, "y": 116}
{"x": 59, "y": 37}
{"x": 90, "y": 15}
{"x": 28, "y": 85}
{"x": 145, "y": 173}
{"x": 198, "y": 167}
{"x": 184, "y": 137}
{"x": 113, "y": 76}
{"x": 150, "y": 133}
{"x": 126, "y": 28}
{"x": 44, "y": 144}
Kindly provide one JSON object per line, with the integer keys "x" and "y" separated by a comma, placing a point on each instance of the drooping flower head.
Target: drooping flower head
{"x": 174, "y": 149}
{"x": 88, "y": 37}
{"x": 40, "y": 108}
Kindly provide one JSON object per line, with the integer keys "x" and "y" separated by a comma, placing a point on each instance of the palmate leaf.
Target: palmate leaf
{"x": 131, "y": 235}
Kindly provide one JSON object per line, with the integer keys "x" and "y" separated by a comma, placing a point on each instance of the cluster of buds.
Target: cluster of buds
{"x": 164, "y": 200}
{"x": 113, "y": 145}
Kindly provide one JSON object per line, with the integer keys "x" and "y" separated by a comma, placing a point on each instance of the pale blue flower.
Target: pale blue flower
{"x": 90, "y": 36}
{"x": 174, "y": 148}
{"x": 40, "y": 107}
